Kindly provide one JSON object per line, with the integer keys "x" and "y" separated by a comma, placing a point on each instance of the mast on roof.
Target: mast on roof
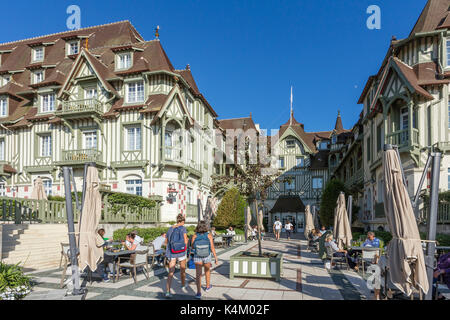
{"x": 292, "y": 109}
{"x": 157, "y": 32}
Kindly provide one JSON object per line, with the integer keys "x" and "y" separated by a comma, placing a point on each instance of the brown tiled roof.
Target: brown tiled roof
{"x": 7, "y": 168}
{"x": 338, "y": 127}
{"x": 288, "y": 204}
{"x": 434, "y": 16}
{"x": 238, "y": 123}
{"x": 411, "y": 77}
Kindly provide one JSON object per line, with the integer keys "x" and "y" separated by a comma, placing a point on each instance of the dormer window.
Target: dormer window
{"x": 38, "y": 76}
{"x": 5, "y": 79}
{"x": 124, "y": 61}
{"x": 3, "y": 107}
{"x": 333, "y": 140}
{"x": 38, "y": 54}
{"x": 135, "y": 92}
{"x": 48, "y": 102}
{"x": 290, "y": 143}
{"x": 73, "y": 47}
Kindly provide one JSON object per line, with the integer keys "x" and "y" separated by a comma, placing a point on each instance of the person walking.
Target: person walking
{"x": 176, "y": 247}
{"x": 203, "y": 247}
{"x": 288, "y": 227}
{"x": 277, "y": 228}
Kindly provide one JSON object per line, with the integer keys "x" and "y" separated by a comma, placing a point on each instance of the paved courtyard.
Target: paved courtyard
{"x": 304, "y": 278}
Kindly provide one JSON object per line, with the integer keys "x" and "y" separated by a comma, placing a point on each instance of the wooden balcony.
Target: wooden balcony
{"x": 80, "y": 157}
{"x": 76, "y": 108}
{"x": 403, "y": 139}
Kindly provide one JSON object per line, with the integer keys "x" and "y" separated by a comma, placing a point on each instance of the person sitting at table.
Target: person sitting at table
{"x": 323, "y": 230}
{"x": 371, "y": 240}
{"x": 100, "y": 242}
{"x": 442, "y": 269}
{"x": 329, "y": 243}
{"x": 137, "y": 238}
{"x": 159, "y": 251}
{"x": 230, "y": 232}
{"x": 131, "y": 243}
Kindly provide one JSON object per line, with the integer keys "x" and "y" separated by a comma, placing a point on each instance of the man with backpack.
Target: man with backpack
{"x": 203, "y": 246}
{"x": 176, "y": 247}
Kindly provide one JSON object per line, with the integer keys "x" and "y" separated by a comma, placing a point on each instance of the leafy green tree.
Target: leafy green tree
{"x": 231, "y": 210}
{"x": 328, "y": 202}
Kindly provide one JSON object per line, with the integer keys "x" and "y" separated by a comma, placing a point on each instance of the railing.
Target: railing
{"x": 191, "y": 211}
{"x": 18, "y": 210}
{"x": 355, "y": 178}
{"x": 81, "y": 156}
{"x": 79, "y": 106}
{"x": 443, "y": 213}
{"x": 399, "y": 138}
{"x": 172, "y": 154}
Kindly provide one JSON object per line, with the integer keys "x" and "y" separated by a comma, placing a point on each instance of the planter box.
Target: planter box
{"x": 246, "y": 264}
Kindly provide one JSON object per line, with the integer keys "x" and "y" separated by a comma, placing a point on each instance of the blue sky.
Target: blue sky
{"x": 245, "y": 54}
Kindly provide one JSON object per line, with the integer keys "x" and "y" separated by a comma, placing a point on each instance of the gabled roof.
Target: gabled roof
{"x": 435, "y": 15}
{"x": 288, "y": 204}
{"x": 411, "y": 77}
{"x": 238, "y": 123}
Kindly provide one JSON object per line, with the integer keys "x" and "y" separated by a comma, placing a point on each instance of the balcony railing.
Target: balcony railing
{"x": 357, "y": 177}
{"x": 173, "y": 154}
{"x": 402, "y": 138}
{"x": 81, "y": 156}
{"x": 443, "y": 213}
{"x": 81, "y": 106}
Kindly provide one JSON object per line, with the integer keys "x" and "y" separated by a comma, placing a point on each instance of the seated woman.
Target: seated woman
{"x": 442, "y": 269}
{"x": 329, "y": 243}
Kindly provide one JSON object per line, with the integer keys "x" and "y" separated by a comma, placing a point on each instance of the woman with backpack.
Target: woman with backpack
{"x": 176, "y": 246}
{"x": 203, "y": 246}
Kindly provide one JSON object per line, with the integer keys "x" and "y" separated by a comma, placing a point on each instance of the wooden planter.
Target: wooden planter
{"x": 244, "y": 265}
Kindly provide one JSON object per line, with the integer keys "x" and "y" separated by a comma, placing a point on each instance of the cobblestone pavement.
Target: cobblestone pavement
{"x": 304, "y": 278}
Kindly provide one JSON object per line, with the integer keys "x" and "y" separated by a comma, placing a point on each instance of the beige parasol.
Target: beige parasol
{"x": 260, "y": 220}
{"x": 309, "y": 224}
{"x": 38, "y": 191}
{"x": 90, "y": 254}
{"x": 405, "y": 253}
{"x": 249, "y": 221}
{"x": 342, "y": 231}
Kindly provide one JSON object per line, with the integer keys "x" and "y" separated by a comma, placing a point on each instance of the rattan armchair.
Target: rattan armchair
{"x": 138, "y": 259}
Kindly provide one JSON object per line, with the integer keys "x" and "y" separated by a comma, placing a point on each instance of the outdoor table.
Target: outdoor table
{"x": 115, "y": 256}
{"x": 227, "y": 236}
{"x": 358, "y": 248}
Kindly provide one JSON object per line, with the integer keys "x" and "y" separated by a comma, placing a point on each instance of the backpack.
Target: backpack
{"x": 202, "y": 245}
{"x": 176, "y": 241}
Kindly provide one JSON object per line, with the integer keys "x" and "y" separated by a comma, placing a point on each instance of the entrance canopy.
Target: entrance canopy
{"x": 288, "y": 203}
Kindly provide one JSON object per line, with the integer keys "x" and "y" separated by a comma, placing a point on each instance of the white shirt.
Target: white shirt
{"x": 288, "y": 226}
{"x": 158, "y": 242}
{"x": 231, "y": 232}
{"x": 277, "y": 225}
{"x": 138, "y": 239}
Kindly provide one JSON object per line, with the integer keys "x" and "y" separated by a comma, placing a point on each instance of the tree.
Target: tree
{"x": 253, "y": 183}
{"x": 231, "y": 210}
{"x": 328, "y": 202}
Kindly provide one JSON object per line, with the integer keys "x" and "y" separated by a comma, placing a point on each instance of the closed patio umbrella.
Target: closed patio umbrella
{"x": 249, "y": 220}
{"x": 309, "y": 224}
{"x": 38, "y": 192}
{"x": 405, "y": 253}
{"x": 90, "y": 254}
{"x": 261, "y": 220}
{"x": 342, "y": 231}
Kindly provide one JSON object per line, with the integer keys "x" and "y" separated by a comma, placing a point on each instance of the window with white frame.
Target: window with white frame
{"x": 2, "y": 188}
{"x": 448, "y": 52}
{"x": 133, "y": 138}
{"x": 189, "y": 196}
{"x": 189, "y": 105}
{"x": 300, "y": 161}
{"x": 38, "y": 54}
{"x": 3, "y": 107}
{"x": 189, "y": 148}
{"x": 38, "y": 76}
{"x": 290, "y": 184}
{"x": 2, "y": 149}
{"x": 281, "y": 162}
{"x": 5, "y": 79}
{"x": 323, "y": 145}
{"x": 134, "y": 186}
{"x": 317, "y": 183}
{"x": 290, "y": 143}
{"x": 124, "y": 60}
{"x": 46, "y": 145}
{"x": 48, "y": 102}
{"x": 90, "y": 93}
{"x": 47, "y": 186}
{"x": 135, "y": 92}
{"x": 72, "y": 47}
{"x": 90, "y": 139}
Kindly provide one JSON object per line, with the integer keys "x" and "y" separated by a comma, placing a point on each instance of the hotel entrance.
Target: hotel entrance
{"x": 288, "y": 208}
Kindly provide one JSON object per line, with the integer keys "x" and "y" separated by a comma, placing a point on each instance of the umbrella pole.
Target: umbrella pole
{"x": 349, "y": 209}
{"x": 432, "y": 220}
{"x": 72, "y": 240}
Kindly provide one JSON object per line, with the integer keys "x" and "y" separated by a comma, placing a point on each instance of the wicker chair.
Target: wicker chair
{"x": 333, "y": 259}
{"x": 138, "y": 259}
{"x": 368, "y": 257}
